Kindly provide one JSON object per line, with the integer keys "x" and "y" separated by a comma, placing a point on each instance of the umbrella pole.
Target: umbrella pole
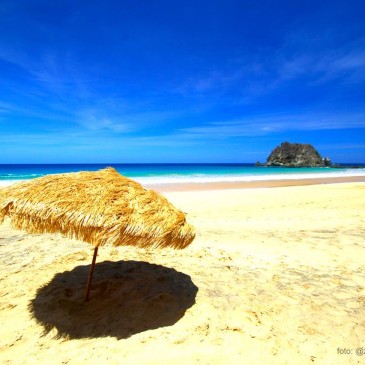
{"x": 91, "y": 272}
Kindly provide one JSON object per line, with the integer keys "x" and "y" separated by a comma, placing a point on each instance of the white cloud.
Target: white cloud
{"x": 267, "y": 124}
{"x": 96, "y": 120}
{"x": 122, "y": 120}
{"x": 305, "y": 57}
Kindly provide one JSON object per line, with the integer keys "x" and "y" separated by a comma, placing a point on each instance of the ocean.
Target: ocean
{"x": 180, "y": 173}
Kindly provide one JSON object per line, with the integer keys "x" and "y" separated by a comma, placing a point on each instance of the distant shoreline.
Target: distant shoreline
{"x": 332, "y": 166}
{"x": 170, "y": 187}
{"x": 198, "y": 176}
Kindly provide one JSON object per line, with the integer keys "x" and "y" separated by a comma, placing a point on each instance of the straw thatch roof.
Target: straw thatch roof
{"x": 101, "y": 207}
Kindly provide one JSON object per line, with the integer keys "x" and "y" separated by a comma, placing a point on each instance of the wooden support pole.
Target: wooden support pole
{"x": 91, "y": 272}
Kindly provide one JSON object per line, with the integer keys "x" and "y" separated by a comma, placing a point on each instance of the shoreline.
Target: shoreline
{"x": 254, "y": 184}
{"x": 227, "y": 185}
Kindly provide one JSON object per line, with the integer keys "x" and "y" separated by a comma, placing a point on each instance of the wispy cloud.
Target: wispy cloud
{"x": 342, "y": 64}
{"x": 122, "y": 119}
{"x": 5, "y": 108}
{"x": 48, "y": 72}
{"x": 303, "y": 57}
{"x": 275, "y": 123}
{"x": 94, "y": 119}
{"x": 213, "y": 80}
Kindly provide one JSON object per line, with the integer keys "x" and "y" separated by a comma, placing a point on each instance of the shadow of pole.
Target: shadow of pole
{"x": 127, "y": 297}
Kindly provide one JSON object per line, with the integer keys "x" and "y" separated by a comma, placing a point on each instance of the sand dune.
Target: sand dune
{"x": 275, "y": 276}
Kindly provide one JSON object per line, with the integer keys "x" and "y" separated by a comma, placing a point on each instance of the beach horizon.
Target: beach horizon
{"x": 199, "y": 176}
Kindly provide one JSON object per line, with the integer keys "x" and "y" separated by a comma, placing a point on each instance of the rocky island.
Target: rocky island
{"x": 296, "y": 155}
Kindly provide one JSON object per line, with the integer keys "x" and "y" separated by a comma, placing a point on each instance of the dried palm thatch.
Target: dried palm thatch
{"x": 101, "y": 207}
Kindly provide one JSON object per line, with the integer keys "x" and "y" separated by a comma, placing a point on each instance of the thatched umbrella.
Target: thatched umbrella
{"x": 101, "y": 207}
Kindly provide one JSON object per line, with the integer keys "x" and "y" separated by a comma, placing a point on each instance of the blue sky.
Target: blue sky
{"x": 180, "y": 81}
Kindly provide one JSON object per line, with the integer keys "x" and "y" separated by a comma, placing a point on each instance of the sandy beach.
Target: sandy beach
{"x": 275, "y": 275}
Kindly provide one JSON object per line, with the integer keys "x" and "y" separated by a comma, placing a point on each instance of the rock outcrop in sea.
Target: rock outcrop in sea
{"x": 296, "y": 155}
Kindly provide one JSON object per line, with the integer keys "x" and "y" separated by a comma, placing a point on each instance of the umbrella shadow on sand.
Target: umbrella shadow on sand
{"x": 127, "y": 297}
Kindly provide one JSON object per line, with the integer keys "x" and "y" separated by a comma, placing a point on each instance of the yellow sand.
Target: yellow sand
{"x": 274, "y": 276}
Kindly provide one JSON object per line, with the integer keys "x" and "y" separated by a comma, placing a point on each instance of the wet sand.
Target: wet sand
{"x": 219, "y": 185}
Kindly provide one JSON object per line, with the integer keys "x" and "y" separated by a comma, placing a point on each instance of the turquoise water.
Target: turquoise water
{"x": 170, "y": 173}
